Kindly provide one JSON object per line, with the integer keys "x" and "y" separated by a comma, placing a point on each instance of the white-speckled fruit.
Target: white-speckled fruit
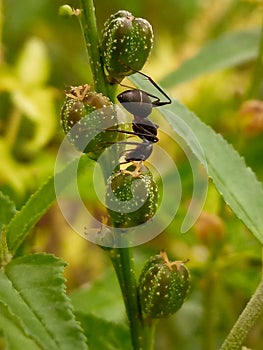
{"x": 163, "y": 286}
{"x": 87, "y": 117}
{"x": 131, "y": 197}
{"x": 126, "y": 45}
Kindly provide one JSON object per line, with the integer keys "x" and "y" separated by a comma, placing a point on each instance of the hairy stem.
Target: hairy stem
{"x": 245, "y": 321}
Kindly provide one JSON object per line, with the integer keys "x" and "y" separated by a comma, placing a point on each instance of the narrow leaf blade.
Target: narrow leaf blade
{"x": 227, "y": 51}
{"x": 234, "y": 180}
{"x": 7, "y": 211}
{"x": 37, "y": 205}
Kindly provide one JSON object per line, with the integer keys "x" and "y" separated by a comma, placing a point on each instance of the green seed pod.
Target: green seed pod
{"x": 163, "y": 286}
{"x": 85, "y": 127}
{"x": 131, "y": 197}
{"x": 126, "y": 45}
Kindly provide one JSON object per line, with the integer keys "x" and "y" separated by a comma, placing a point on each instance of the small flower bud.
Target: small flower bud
{"x": 251, "y": 118}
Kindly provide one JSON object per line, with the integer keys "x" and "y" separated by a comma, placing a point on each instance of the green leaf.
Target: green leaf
{"x": 234, "y": 180}
{"x": 105, "y": 302}
{"x": 7, "y": 211}
{"x": 38, "y": 204}
{"x": 104, "y": 334}
{"x": 227, "y": 51}
{"x": 35, "y": 311}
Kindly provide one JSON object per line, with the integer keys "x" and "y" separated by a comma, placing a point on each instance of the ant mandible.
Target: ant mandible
{"x": 140, "y": 105}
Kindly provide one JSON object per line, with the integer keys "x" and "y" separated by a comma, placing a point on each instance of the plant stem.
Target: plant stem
{"x": 124, "y": 266}
{"x": 148, "y": 334}
{"x": 209, "y": 317}
{"x": 122, "y": 259}
{"x": 245, "y": 321}
{"x": 90, "y": 31}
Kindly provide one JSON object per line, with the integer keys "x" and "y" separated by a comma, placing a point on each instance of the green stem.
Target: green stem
{"x": 210, "y": 296}
{"x": 121, "y": 258}
{"x": 245, "y": 321}
{"x": 142, "y": 331}
{"x": 149, "y": 333}
{"x": 124, "y": 266}
{"x": 90, "y": 31}
{"x": 209, "y": 317}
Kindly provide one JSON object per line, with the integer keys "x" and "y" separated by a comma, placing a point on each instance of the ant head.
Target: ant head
{"x": 137, "y": 102}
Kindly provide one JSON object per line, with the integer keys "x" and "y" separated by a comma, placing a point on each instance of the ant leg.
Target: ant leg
{"x": 139, "y": 134}
{"x": 127, "y": 132}
{"x": 157, "y": 103}
{"x": 137, "y": 171}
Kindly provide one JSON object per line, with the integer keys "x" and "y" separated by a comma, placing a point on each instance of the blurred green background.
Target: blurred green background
{"x": 42, "y": 53}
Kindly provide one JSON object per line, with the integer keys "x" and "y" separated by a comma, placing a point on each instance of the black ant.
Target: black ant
{"x": 139, "y": 104}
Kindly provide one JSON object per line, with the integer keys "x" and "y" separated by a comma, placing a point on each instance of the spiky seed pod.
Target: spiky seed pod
{"x": 131, "y": 197}
{"x": 87, "y": 117}
{"x": 163, "y": 286}
{"x": 126, "y": 44}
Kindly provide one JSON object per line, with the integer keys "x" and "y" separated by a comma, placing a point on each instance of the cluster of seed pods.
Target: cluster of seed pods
{"x": 90, "y": 121}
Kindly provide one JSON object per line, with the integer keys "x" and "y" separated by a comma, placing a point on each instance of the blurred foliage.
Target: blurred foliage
{"x": 41, "y": 53}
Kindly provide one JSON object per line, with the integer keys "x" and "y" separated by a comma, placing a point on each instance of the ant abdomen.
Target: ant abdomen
{"x": 136, "y": 102}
